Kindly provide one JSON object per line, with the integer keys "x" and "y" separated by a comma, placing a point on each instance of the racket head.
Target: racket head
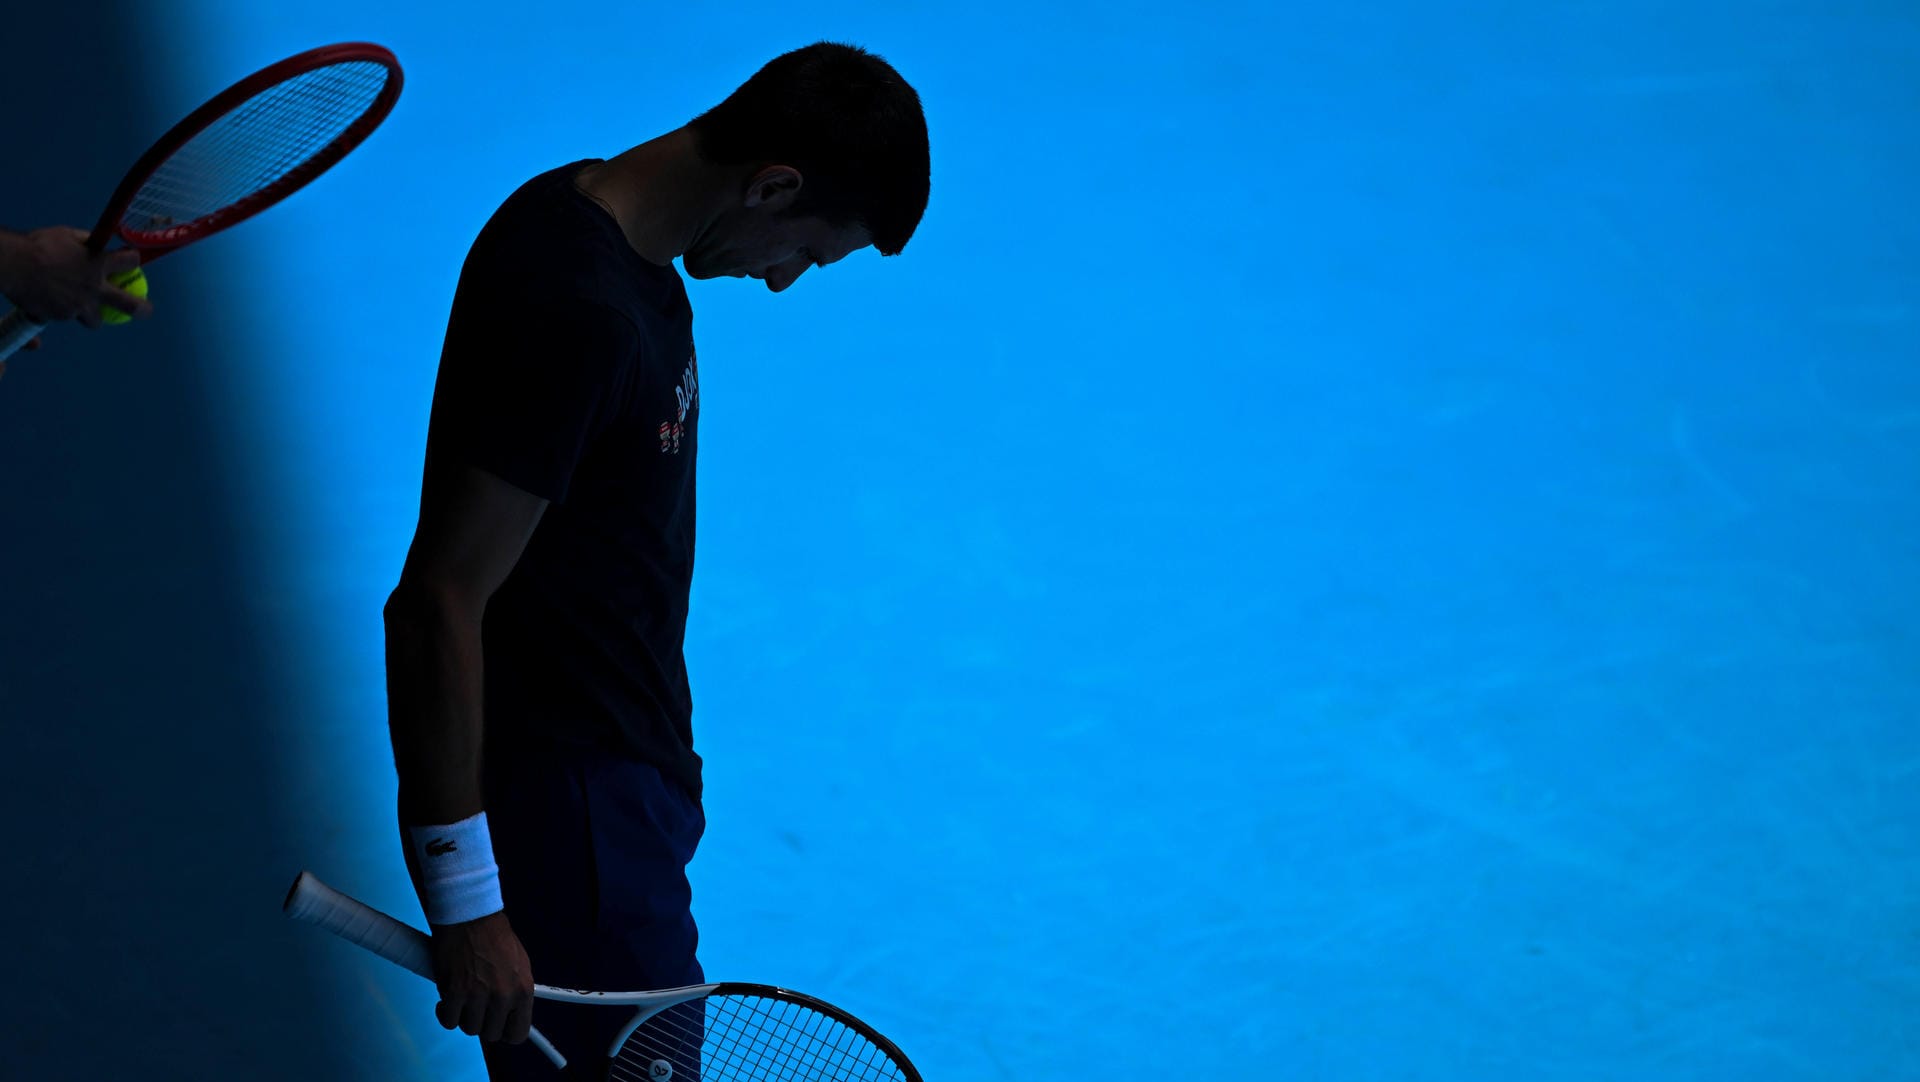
{"x": 250, "y": 146}
{"x": 738, "y": 1032}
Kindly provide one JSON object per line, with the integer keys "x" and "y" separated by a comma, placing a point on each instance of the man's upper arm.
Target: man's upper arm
{"x": 473, "y": 528}
{"x": 524, "y": 388}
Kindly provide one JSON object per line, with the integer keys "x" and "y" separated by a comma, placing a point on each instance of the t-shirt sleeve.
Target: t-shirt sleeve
{"x": 524, "y": 389}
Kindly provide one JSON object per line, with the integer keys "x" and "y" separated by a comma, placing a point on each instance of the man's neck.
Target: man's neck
{"x": 662, "y": 194}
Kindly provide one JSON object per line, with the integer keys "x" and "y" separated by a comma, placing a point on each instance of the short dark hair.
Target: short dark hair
{"x": 847, "y": 121}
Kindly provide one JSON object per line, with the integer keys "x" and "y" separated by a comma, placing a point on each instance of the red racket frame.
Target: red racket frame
{"x": 154, "y": 245}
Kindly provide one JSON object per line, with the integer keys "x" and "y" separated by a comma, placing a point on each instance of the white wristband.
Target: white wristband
{"x": 459, "y": 881}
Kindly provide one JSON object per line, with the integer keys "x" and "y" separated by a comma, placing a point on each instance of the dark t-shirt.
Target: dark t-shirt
{"x": 569, "y": 372}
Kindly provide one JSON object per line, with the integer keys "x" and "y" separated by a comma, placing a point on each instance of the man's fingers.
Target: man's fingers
{"x": 473, "y": 1017}
{"x": 487, "y": 1019}
{"x": 124, "y": 259}
{"x": 465, "y": 1015}
{"x": 495, "y": 1023}
{"x": 447, "y": 1012}
{"x": 137, "y": 307}
{"x": 519, "y": 1021}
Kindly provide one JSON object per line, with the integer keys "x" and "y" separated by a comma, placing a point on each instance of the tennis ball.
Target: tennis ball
{"x": 133, "y": 282}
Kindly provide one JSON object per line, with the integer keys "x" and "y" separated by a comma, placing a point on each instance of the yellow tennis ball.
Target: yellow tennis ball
{"x": 133, "y": 282}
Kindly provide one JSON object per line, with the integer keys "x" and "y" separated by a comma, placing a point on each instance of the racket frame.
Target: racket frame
{"x": 652, "y": 1003}
{"x": 154, "y": 245}
{"x": 313, "y": 902}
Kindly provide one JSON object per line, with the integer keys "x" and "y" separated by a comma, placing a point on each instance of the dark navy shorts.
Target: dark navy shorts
{"x": 593, "y": 852}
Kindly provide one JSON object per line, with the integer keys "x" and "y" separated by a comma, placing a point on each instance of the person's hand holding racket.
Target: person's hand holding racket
{"x": 726, "y": 1032}
{"x": 52, "y": 276}
{"x": 485, "y": 979}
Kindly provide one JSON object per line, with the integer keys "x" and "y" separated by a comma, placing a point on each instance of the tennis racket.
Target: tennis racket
{"x": 255, "y": 143}
{"x": 724, "y": 1032}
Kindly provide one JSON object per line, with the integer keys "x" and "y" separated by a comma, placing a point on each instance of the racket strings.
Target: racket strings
{"x": 750, "y": 1039}
{"x": 255, "y": 145}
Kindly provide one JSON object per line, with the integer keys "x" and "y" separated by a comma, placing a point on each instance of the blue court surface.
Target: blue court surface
{"x": 1358, "y": 542}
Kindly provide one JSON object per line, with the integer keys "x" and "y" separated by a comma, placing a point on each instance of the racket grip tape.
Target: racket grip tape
{"x": 313, "y": 902}
{"x": 16, "y": 330}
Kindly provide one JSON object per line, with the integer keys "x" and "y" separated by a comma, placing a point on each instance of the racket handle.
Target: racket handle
{"x": 16, "y": 330}
{"x": 313, "y": 902}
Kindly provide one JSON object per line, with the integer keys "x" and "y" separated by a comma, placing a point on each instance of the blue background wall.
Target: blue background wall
{"x": 1373, "y": 543}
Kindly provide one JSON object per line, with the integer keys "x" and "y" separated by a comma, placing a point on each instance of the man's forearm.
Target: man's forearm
{"x": 434, "y": 713}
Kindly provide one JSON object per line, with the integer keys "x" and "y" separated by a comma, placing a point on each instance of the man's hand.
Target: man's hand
{"x": 51, "y": 276}
{"x": 486, "y": 982}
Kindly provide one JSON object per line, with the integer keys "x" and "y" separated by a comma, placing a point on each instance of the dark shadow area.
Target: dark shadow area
{"x": 148, "y": 833}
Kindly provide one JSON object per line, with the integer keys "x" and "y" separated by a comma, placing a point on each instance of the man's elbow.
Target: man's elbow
{"x": 419, "y": 604}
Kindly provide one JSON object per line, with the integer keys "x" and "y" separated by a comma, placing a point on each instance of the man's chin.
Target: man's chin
{"x": 701, "y": 271}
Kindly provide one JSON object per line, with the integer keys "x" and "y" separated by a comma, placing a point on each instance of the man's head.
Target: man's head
{"x": 831, "y": 146}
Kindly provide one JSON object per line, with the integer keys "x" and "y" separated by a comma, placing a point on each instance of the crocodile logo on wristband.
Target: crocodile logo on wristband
{"x": 458, "y": 879}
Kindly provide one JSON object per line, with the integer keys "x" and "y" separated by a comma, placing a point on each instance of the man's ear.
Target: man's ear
{"x": 775, "y": 187}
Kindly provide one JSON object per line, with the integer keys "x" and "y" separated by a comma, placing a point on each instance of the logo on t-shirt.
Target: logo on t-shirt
{"x": 687, "y": 399}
